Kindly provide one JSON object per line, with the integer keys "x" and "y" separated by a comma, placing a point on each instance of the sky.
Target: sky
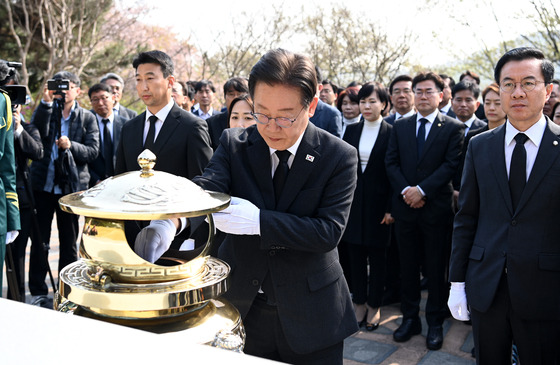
{"x": 440, "y": 25}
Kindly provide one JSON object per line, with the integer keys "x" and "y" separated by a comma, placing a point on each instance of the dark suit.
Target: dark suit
{"x": 476, "y": 125}
{"x": 364, "y": 236}
{"x": 510, "y": 260}
{"x": 299, "y": 233}
{"x": 126, "y": 113}
{"x": 216, "y": 125}
{"x": 390, "y": 119}
{"x": 97, "y": 167}
{"x": 328, "y": 118}
{"x": 450, "y": 113}
{"x": 432, "y": 171}
{"x": 182, "y": 146}
{"x": 199, "y": 113}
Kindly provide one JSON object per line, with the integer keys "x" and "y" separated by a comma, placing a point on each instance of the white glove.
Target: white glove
{"x": 155, "y": 239}
{"x": 241, "y": 217}
{"x": 457, "y": 302}
{"x": 11, "y": 236}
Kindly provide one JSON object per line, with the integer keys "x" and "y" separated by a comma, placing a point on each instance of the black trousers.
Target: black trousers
{"x": 368, "y": 288}
{"x": 266, "y": 339}
{"x": 423, "y": 243}
{"x": 18, "y": 251}
{"x": 494, "y": 331}
{"x": 67, "y": 224}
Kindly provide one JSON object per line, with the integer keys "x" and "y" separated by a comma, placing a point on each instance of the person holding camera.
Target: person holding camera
{"x": 70, "y": 137}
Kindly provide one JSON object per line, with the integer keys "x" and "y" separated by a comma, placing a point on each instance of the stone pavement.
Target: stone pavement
{"x": 364, "y": 347}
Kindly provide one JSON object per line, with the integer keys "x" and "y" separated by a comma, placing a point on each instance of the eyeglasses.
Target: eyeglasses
{"x": 282, "y": 122}
{"x": 527, "y": 85}
{"x": 99, "y": 100}
{"x": 428, "y": 93}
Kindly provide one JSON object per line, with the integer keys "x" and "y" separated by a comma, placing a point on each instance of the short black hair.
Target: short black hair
{"x": 203, "y": 83}
{"x": 100, "y": 87}
{"x": 525, "y": 53}
{"x": 472, "y": 74}
{"x": 333, "y": 85}
{"x": 239, "y": 84}
{"x": 370, "y": 87}
{"x": 67, "y": 75}
{"x": 466, "y": 85}
{"x": 159, "y": 58}
{"x": 398, "y": 79}
{"x": 281, "y": 67}
{"x": 429, "y": 75}
{"x": 447, "y": 77}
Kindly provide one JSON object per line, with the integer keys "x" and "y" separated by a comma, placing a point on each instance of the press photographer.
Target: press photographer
{"x": 70, "y": 138}
{"x": 9, "y": 211}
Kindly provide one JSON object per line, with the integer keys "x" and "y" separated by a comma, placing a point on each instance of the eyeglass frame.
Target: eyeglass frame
{"x": 428, "y": 92}
{"x": 291, "y": 120}
{"x": 523, "y": 87}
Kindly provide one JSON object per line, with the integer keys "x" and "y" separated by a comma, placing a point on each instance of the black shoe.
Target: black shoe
{"x": 372, "y": 326}
{"x": 434, "y": 340}
{"x": 407, "y": 329}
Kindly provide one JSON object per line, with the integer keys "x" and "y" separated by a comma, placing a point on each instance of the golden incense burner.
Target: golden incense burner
{"x": 112, "y": 283}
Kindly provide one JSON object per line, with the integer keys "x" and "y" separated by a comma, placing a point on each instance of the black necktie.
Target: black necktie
{"x": 517, "y": 169}
{"x": 149, "y": 142}
{"x": 107, "y": 149}
{"x": 421, "y": 136}
{"x": 281, "y": 172}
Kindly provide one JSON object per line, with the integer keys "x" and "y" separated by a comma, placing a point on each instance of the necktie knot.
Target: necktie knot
{"x": 283, "y": 156}
{"x": 521, "y": 138}
{"x": 423, "y": 121}
{"x": 105, "y": 121}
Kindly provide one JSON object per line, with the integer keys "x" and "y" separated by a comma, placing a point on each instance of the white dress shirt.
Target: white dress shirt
{"x": 535, "y": 134}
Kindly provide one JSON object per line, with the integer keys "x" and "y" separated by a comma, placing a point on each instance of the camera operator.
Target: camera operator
{"x": 70, "y": 138}
{"x": 27, "y": 146}
{"x": 9, "y": 210}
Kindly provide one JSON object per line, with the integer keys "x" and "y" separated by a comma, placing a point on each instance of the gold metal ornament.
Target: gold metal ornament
{"x": 178, "y": 293}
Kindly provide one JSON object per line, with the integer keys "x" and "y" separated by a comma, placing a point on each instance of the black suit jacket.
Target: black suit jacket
{"x": 182, "y": 146}
{"x": 27, "y": 146}
{"x": 216, "y": 125}
{"x": 432, "y": 171}
{"x": 97, "y": 167}
{"x": 372, "y": 198}
{"x": 476, "y": 127}
{"x": 299, "y": 234}
{"x": 328, "y": 118}
{"x": 390, "y": 119}
{"x": 489, "y": 236}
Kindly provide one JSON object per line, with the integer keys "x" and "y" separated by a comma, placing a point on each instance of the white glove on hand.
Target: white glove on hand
{"x": 457, "y": 302}
{"x": 155, "y": 239}
{"x": 11, "y": 236}
{"x": 241, "y": 217}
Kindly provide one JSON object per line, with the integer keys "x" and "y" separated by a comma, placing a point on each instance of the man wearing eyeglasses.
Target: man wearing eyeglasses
{"x": 422, "y": 157}
{"x": 505, "y": 263}
{"x": 110, "y": 125}
{"x": 402, "y": 98}
{"x": 291, "y": 185}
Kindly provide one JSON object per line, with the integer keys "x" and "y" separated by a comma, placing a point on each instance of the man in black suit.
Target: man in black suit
{"x": 422, "y": 157}
{"x": 117, "y": 86}
{"x": 445, "y": 107}
{"x": 204, "y": 91}
{"x": 505, "y": 262}
{"x": 178, "y": 139}
{"x": 326, "y": 117}
{"x": 110, "y": 126}
{"x": 402, "y": 98}
{"x": 291, "y": 185}
{"x": 233, "y": 88}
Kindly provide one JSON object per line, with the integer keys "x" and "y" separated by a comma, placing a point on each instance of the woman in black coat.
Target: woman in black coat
{"x": 367, "y": 233}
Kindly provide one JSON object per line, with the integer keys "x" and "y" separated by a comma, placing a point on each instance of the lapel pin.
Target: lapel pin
{"x": 555, "y": 143}
{"x": 310, "y": 158}
{"x": 439, "y": 124}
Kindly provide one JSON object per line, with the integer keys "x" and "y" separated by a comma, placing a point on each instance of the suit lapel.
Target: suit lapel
{"x": 378, "y": 147}
{"x": 549, "y": 150}
{"x": 437, "y": 126}
{"x": 353, "y": 137}
{"x": 167, "y": 129}
{"x": 498, "y": 157}
{"x": 305, "y": 159}
{"x": 137, "y": 134}
{"x": 410, "y": 136}
{"x": 258, "y": 155}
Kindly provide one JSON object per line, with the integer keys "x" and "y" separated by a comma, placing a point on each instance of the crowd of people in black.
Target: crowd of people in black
{"x": 411, "y": 141}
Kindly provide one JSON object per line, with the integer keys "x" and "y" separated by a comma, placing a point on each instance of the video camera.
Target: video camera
{"x": 58, "y": 85}
{"x": 17, "y": 93}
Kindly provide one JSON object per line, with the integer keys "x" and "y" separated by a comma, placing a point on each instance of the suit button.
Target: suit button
{"x": 255, "y": 282}
{"x": 513, "y": 222}
{"x": 271, "y": 253}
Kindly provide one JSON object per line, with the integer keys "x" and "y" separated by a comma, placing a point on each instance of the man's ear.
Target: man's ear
{"x": 313, "y": 106}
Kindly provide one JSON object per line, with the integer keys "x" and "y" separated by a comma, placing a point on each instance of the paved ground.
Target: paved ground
{"x": 365, "y": 347}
